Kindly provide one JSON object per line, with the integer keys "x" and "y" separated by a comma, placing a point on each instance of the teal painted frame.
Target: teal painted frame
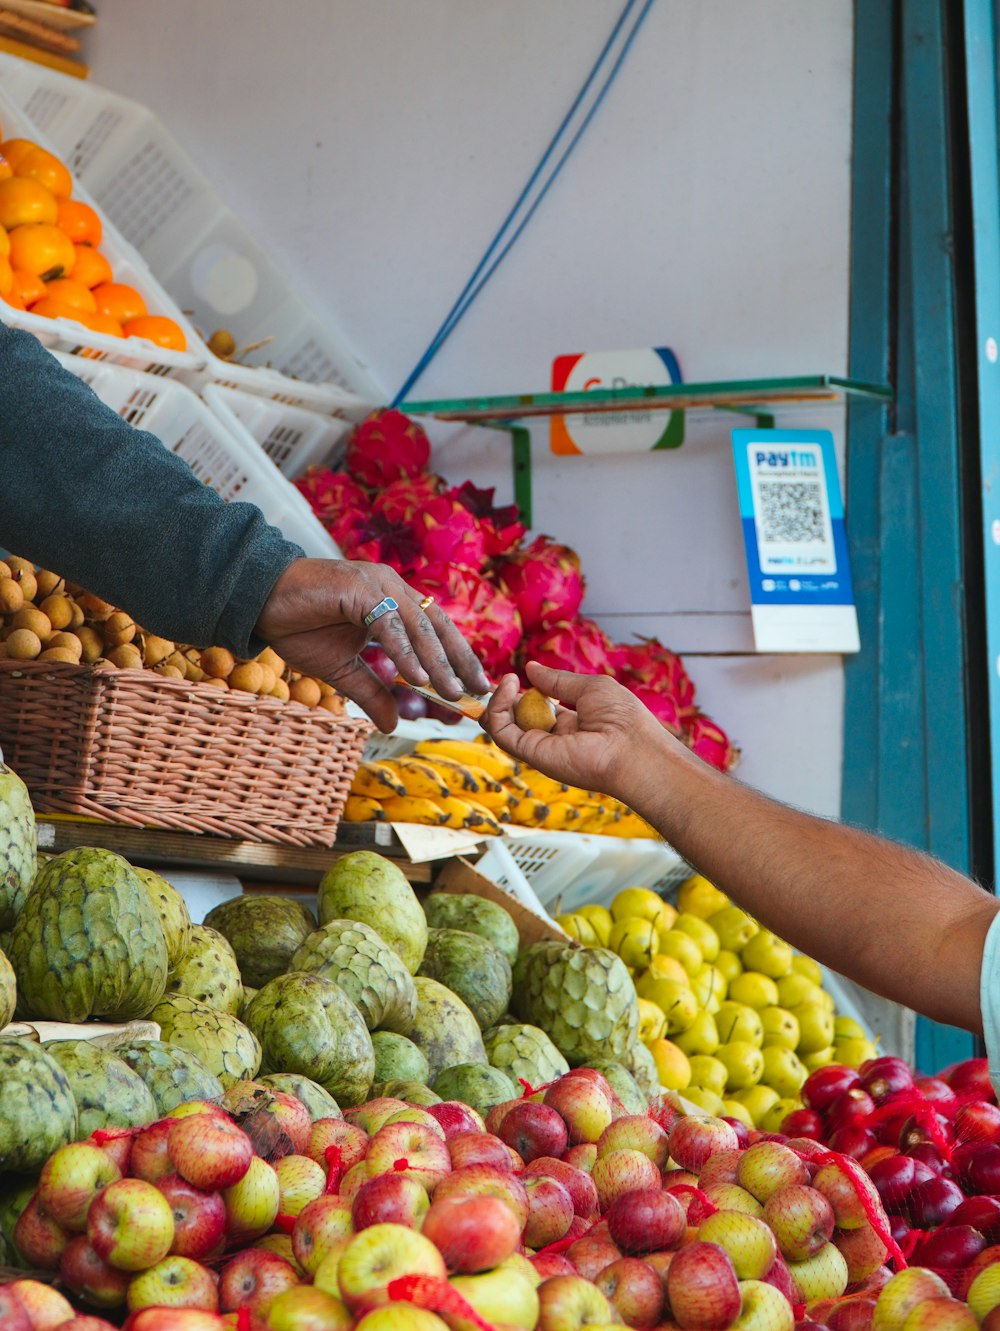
{"x": 906, "y": 745}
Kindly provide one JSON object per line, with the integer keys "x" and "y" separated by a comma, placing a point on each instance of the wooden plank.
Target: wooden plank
{"x": 48, "y": 58}
{"x": 55, "y": 16}
{"x": 245, "y": 859}
{"x": 15, "y": 24}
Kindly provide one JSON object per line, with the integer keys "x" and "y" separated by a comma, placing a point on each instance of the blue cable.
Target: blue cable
{"x": 482, "y": 273}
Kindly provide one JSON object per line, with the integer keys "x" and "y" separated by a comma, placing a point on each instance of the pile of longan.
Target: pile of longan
{"x": 45, "y": 618}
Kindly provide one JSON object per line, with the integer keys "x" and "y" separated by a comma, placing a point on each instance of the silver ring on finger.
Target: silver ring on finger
{"x": 384, "y": 607}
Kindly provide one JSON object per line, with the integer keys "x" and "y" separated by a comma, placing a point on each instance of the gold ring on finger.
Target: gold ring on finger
{"x": 425, "y": 602}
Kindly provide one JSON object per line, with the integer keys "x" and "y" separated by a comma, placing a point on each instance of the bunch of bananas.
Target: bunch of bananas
{"x": 476, "y": 786}
{"x": 734, "y": 1018}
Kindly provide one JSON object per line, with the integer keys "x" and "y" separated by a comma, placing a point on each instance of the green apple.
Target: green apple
{"x": 174, "y": 1282}
{"x": 744, "y": 1064}
{"x": 846, "y": 1028}
{"x": 780, "y": 1027}
{"x": 325, "y": 1276}
{"x": 820, "y": 1059}
{"x": 734, "y": 928}
{"x": 779, "y": 1111}
{"x": 812, "y": 970}
{"x": 701, "y": 1037}
{"x": 306, "y": 1306}
{"x": 984, "y": 1292}
{"x": 853, "y": 1052}
{"x": 755, "y": 989}
{"x": 822, "y": 1276}
{"x": 731, "y": 1197}
{"x": 765, "y": 1167}
{"x": 795, "y": 989}
{"x": 501, "y": 1295}
{"x": 749, "y": 1242}
{"x": 733, "y": 1109}
{"x": 729, "y": 964}
{"x": 252, "y": 1204}
{"x": 676, "y": 1001}
{"x": 737, "y": 1021}
{"x": 377, "y": 1256}
{"x": 708, "y": 1072}
{"x": 902, "y": 1292}
{"x": 682, "y": 947}
{"x": 767, "y": 952}
{"x": 300, "y": 1181}
{"x": 763, "y": 1308}
{"x": 702, "y": 933}
{"x": 782, "y": 1070}
{"x": 757, "y": 1100}
{"x": 709, "y": 985}
{"x": 401, "y": 1317}
{"x": 705, "y": 1099}
{"x": 815, "y": 1027}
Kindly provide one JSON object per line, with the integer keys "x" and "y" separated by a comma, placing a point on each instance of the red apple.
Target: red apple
{"x": 253, "y": 1278}
{"x": 635, "y": 1290}
{"x": 702, "y": 1288}
{"x": 548, "y": 1264}
{"x": 577, "y": 1182}
{"x": 533, "y": 1130}
{"x": 781, "y": 1278}
{"x": 978, "y": 1123}
{"x": 804, "y": 1123}
{"x": 279, "y": 1125}
{"x": 486, "y": 1181}
{"x": 621, "y": 1172}
{"x": 931, "y": 1203}
{"x": 885, "y": 1076}
{"x": 176, "y": 1282}
{"x": 178, "y": 1319}
{"x": 591, "y": 1254}
{"x": 373, "y": 1113}
{"x": 350, "y": 1140}
{"x": 496, "y": 1114}
{"x": 982, "y": 1213}
{"x": 718, "y": 1168}
{"x": 199, "y": 1218}
{"x": 862, "y": 1250}
{"x": 844, "y": 1187}
{"x": 550, "y": 1211}
{"x": 972, "y": 1076}
{"x": 801, "y": 1220}
{"x": 38, "y": 1239}
{"x": 951, "y": 1248}
{"x": 478, "y": 1148}
{"x": 568, "y": 1302}
{"x": 850, "y": 1109}
{"x": 581, "y": 1157}
{"x": 584, "y": 1104}
{"x": 150, "y": 1158}
{"x": 939, "y": 1093}
{"x": 646, "y": 1220}
{"x": 13, "y": 1316}
{"x": 45, "y": 1306}
{"x": 635, "y": 1132}
{"x": 824, "y": 1085}
{"x": 320, "y": 1226}
{"x": 210, "y": 1152}
{"x": 115, "y": 1143}
{"x": 456, "y": 1118}
{"x": 767, "y": 1166}
{"x": 390, "y": 1199}
{"x": 84, "y": 1273}
{"x": 692, "y": 1140}
{"x": 942, "y": 1314}
{"x": 70, "y": 1180}
{"x": 130, "y": 1225}
{"x": 472, "y": 1233}
{"x": 425, "y": 1153}
{"x": 740, "y": 1128}
{"x": 851, "y": 1315}
{"x": 916, "y": 1130}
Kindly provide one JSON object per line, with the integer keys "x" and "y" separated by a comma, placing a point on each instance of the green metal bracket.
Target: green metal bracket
{"x": 520, "y": 437}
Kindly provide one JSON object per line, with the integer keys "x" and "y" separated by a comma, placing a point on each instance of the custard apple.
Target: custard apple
{"x": 476, "y": 915}
{"x": 524, "y": 1052}
{"x": 411, "y": 1092}
{"x": 582, "y": 997}
{"x": 368, "y": 887}
{"x": 227, "y": 1048}
{"x": 173, "y": 912}
{"x": 624, "y": 1085}
{"x": 172, "y": 1074}
{"x": 207, "y": 972}
{"x": 264, "y": 932}
{"x": 640, "y": 1063}
{"x": 371, "y": 974}
{"x": 397, "y": 1058}
{"x": 476, "y": 1084}
{"x": 37, "y": 1110}
{"x": 8, "y": 990}
{"x": 444, "y": 1028}
{"x": 472, "y": 968}
{"x": 18, "y": 845}
{"x": 319, "y": 1102}
{"x": 108, "y": 1093}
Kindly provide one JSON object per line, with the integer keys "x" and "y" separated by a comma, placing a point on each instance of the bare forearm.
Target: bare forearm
{"x": 894, "y": 920}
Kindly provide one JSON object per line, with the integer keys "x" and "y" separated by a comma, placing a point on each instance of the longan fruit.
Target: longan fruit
{"x": 179, "y": 662}
{"x": 280, "y": 691}
{"x": 78, "y": 616}
{"x": 214, "y": 682}
{"x": 59, "y": 610}
{"x": 126, "y": 657}
{"x": 29, "y": 617}
{"x": 91, "y": 644}
{"x": 268, "y": 678}
{"x": 534, "y": 711}
{"x": 222, "y": 344}
{"x": 4, "y": 571}
{"x": 23, "y": 645}
{"x": 305, "y": 691}
{"x": 247, "y": 676}
{"x": 155, "y": 650}
{"x": 94, "y": 607}
{"x": 169, "y": 672}
{"x": 25, "y": 579}
{"x": 269, "y": 657}
{"x": 66, "y": 642}
{"x": 11, "y": 595}
{"x": 50, "y": 584}
{"x": 119, "y": 629}
{"x": 59, "y": 654}
{"x": 217, "y": 662}
{"x": 333, "y": 702}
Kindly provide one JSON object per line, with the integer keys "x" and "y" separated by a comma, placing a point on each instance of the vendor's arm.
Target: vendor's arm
{"x": 894, "y": 920}
{"x": 110, "y": 508}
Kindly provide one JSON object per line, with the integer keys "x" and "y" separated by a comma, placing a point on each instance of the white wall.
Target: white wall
{"x": 375, "y": 148}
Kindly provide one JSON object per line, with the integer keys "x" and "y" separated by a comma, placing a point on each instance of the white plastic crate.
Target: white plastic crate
{"x": 499, "y": 866}
{"x": 235, "y": 468}
{"x": 294, "y": 438}
{"x": 67, "y": 335}
{"x": 202, "y": 253}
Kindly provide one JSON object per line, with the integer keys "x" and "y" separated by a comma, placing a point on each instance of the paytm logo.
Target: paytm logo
{"x": 792, "y": 457}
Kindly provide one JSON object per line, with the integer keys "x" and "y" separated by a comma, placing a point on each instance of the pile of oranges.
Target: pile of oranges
{"x": 50, "y": 261}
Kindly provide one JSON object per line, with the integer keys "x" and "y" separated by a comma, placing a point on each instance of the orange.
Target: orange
{"x": 158, "y": 329}
{"x": 72, "y": 292}
{"x": 31, "y": 162}
{"x": 91, "y": 267}
{"x": 13, "y": 299}
{"x": 6, "y": 170}
{"x": 102, "y": 323}
{"x": 4, "y": 243}
{"x": 120, "y": 301}
{"x": 6, "y": 278}
{"x": 42, "y": 249}
{"x": 29, "y": 286}
{"x": 23, "y": 201}
{"x": 79, "y": 221}
{"x": 50, "y": 308}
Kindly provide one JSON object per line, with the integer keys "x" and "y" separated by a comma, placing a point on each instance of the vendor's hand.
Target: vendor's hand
{"x": 314, "y": 619}
{"x": 596, "y": 746}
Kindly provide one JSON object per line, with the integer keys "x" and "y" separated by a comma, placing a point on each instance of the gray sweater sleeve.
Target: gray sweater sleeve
{"x": 111, "y": 508}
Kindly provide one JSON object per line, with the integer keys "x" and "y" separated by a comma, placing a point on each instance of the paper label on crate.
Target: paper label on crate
{"x": 615, "y": 431}
{"x": 796, "y": 546}
{"x": 434, "y": 843}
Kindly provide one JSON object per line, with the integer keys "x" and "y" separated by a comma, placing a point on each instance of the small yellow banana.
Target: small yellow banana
{"x": 419, "y": 778}
{"x": 631, "y": 825}
{"x": 528, "y": 812}
{"x": 482, "y": 819}
{"x": 487, "y": 756}
{"x": 458, "y": 777}
{"x": 377, "y": 780}
{"x": 562, "y": 817}
{"x": 363, "y": 809}
{"x": 413, "y": 809}
{"x": 456, "y": 811}
{"x": 544, "y": 788}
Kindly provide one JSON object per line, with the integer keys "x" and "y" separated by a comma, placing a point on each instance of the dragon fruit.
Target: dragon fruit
{"x": 486, "y": 617}
{"x": 398, "y": 502}
{"x": 648, "y": 665}
{"x": 502, "y": 527}
{"x": 661, "y": 705}
{"x": 579, "y": 646}
{"x": 382, "y": 542}
{"x": 547, "y": 587}
{"x": 338, "y": 501}
{"x": 385, "y": 446}
{"x": 446, "y": 532}
{"x": 710, "y": 742}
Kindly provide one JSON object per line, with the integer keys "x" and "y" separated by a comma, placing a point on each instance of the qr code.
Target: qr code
{"x": 791, "y": 511}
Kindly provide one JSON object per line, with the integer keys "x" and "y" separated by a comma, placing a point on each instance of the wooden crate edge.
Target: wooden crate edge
{"x": 459, "y": 876}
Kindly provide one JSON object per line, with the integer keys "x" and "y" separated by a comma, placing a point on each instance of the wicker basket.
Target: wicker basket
{"x": 127, "y": 746}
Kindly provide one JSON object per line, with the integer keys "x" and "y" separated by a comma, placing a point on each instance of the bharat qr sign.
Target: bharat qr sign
{"x": 615, "y": 431}
{"x": 796, "y": 547}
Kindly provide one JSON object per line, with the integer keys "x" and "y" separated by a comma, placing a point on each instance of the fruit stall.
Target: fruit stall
{"x": 306, "y": 1027}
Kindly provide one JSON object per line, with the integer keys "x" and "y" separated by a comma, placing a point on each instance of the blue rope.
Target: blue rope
{"x": 485, "y": 269}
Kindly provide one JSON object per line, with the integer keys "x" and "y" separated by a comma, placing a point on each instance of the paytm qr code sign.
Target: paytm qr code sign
{"x": 795, "y": 541}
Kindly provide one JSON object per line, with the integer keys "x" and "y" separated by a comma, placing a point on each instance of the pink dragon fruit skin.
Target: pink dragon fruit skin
{"x": 446, "y": 532}
{"x": 547, "y": 590}
{"x": 649, "y": 665}
{"x": 579, "y": 646}
{"x": 661, "y": 705}
{"x": 385, "y": 446}
{"x": 398, "y": 502}
{"x": 486, "y": 617}
{"x": 338, "y": 501}
{"x": 501, "y": 527}
{"x": 710, "y": 742}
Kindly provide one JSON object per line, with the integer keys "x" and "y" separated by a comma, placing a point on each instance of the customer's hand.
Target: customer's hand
{"x": 314, "y": 619}
{"x": 598, "y": 746}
